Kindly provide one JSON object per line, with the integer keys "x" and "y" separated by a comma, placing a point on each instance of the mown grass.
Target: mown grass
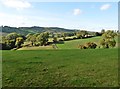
{"x": 52, "y": 68}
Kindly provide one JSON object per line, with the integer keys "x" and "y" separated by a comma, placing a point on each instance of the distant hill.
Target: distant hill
{"x": 34, "y": 29}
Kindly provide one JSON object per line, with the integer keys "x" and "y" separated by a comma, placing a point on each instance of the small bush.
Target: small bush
{"x": 82, "y": 47}
{"x": 112, "y": 43}
{"x": 91, "y": 45}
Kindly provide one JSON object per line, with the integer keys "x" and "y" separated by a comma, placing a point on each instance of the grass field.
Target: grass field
{"x": 73, "y": 44}
{"x": 69, "y": 68}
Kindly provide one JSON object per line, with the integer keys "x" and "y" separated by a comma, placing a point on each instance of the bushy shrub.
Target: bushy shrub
{"x": 79, "y": 36}
{"x": 107, "y": 43}
{"x": 112, "y": 43}
{"x": 91, "y": 45}
{"x": 108, "y": 40}
{"x": 82, "y": 47}
{"x": 102, "y": 43}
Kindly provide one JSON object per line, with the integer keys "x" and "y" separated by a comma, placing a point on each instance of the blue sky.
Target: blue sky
{"x": 92, "y": 16}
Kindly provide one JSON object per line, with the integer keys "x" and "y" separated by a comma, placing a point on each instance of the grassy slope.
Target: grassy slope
{"x": 73, "y": 44}
{"x": 60, "y": 68}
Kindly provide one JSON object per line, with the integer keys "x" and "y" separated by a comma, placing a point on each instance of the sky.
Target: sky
{"x": 91, "y": 16}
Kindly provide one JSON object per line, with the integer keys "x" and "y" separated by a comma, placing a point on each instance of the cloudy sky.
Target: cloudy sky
{"x": 92, "y": 16}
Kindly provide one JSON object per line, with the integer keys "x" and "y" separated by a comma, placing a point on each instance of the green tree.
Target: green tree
{"x": 111, "y": 43}
{"x": 12, "y": 36}
{"x": 32, "y": 38}
{"x": 64, "y": 35}
{"x": 103, "y": 43}
{"x": 28, "y": 35}
{"x": 102, "y": 31}
{"x": 81, "y": 34}
{"x": 109, "y": 34}
{"x": 10, "y": 44}
{"x": 54, "y": 39}
{"x": 108, "y": 40}
{"x": 3, "y": 40}
{"x": 10, "y": 40}
{"x": 97, "y": 34}
{"x": 19, "y": 41}
{"x": 42, "y": 39}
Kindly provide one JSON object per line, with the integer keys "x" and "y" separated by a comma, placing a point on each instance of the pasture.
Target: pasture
{"x": 60, "y": 68}
{"x": 73, "y": 44}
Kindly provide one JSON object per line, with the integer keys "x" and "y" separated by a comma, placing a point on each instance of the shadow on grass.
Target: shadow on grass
{"x": 60, "y": 42}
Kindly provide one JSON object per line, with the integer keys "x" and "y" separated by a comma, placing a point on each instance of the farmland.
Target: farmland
{"x": 38, "y": 60}
{"x": 62, "y": 68}
{"x": 74, "y": 43}
{"x": 59, "y": 44}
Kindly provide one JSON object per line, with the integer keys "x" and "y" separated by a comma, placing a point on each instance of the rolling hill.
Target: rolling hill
{"x": 34, "y": 29}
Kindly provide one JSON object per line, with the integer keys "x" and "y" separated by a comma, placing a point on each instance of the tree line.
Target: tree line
{"x": 14, "y": 40}
{"x": 107, "y": 41}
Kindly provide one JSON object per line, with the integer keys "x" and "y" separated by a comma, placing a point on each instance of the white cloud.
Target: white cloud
{"x": 105, "y": 7}
{"x": 18, "y": 20}
{"x": 77, "y": 12}
{"x": 17, "y": 4}
{"x": 2, "y": 14}
{"x": 12, "y": 19}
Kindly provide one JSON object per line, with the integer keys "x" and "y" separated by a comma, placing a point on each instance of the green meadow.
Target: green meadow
{"x": 59, "y": 44}
{"x": 60, "y": 68}
{"x": 73, "y": 44}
